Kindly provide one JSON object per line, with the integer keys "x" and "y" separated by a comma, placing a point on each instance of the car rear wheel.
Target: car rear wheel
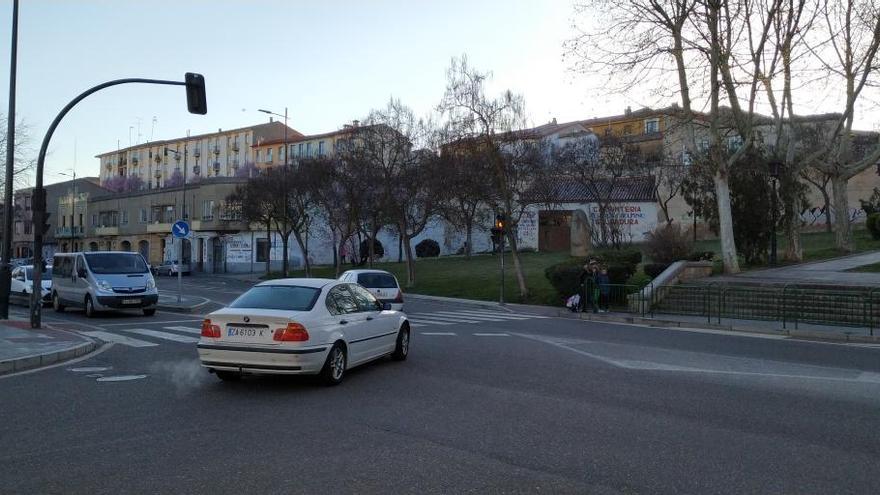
{"x": 56, "y": 303}
{"x": 228, "y": 376}
{"x": 334, "y": 368}
{"x": 402, "y": 348}
{"x": 90, "y": 307}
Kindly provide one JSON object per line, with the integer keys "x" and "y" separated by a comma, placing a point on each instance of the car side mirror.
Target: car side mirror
{"x": 386, "y": 306}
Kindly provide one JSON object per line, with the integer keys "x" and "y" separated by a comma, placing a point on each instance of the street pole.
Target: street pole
{"x": 773, "y": 234}
{"x": 501, "y": 294}
{"x": 180, "y": 259}
{"x": 39, "y": 197}
{"x": 6, "y": 251}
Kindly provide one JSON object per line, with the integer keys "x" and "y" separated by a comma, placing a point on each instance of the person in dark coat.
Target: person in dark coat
{"x": 604, "y": 283}
{"x": 589, "y": 287}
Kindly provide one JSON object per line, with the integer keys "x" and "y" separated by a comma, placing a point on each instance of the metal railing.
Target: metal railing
{"x": 788, "y": 304}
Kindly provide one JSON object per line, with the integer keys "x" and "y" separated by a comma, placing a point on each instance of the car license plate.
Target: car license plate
{"x": 131, "y": 301}
{"x": 246, "y": 332}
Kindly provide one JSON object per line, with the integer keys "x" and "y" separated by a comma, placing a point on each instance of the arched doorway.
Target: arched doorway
{"x": 187, "y": 251}
{"x": 126, "y": 246}
{"x": 93, "y": 246}
{"x": 144, "y": 249}
{"x": 217, "y": 250}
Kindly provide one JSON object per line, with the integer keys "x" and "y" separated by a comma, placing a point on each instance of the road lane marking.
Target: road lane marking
{"x": 197, "y": 331}
{"x": 491, "y": 335}
{"x": 161, "y": 335}
{"x": 492, "y": 315}
{"x": 441, "y": 318}
{"x": 438, "y": 333}
{"x": 500, "y": 314}
{"x": 415, "y": 325}
{"x": 445, "y": 314}
{"x": 429, "y": 322}
{"x": 120, "y": 339}
{"x": 141, "y": 322}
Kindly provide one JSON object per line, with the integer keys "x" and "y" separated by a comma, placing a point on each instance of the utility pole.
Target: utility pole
{"x": 6, "y": 251}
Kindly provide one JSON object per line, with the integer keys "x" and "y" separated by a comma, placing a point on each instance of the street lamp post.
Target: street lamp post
{"x": 774, "y": 176}
{"x": 184, "y": 217}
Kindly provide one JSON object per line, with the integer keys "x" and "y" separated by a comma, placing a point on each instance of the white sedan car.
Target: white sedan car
{"x": 301, "y": 326}
{"x": 380, "y": 283}
{"x": 23, "y": 282}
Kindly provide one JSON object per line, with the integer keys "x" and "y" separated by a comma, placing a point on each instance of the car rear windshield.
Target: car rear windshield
{"x": 47, "y": 275}
{"x": 377, "y": 281}
{"x": 116, "y": 263}
{"x": 285, "y": 297}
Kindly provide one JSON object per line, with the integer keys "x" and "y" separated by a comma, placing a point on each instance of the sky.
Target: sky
{"x": 327, "y": 62}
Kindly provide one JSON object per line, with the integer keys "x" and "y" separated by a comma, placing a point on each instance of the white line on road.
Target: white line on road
{"x": 120, "y": 339}
{"x": 141, "y": 322}
{"x": 449, "y": 314}
{"x": 161, "y": 335}
{"x": 438, "y": 333}
{"x": 496, "y": 313}
{"x": 442, "y": 318}
{"x": 491, "y": 335}
{"x": 415, "y": 325}
{"x": 492, "y": 315}
{"x": 197, "y": 331}
{"x": 429, "y": 322}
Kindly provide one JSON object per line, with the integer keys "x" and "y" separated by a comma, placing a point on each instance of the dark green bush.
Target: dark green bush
{"x": 637, "y": 281}
{"x": 428, "y": 248}
{"x": 701, "y": 256}
{"x": 873, "y": 225}
{"x": 620, "y": 273}
{"x": 564, "y": 277}
{"x": 618, "y": 256}
{"x": 668, "y": 243}
{"x": 654, "y": 269}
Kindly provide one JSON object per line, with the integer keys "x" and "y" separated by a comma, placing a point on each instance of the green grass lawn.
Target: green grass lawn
{"x": 817, "y": 246}
{"x": 874, "y": 268}
{"x": 476, "y": 278}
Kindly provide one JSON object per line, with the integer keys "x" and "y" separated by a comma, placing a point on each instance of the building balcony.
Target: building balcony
{"x": 68, "y": 232}
{"x": 159, "y": 228}
{"x": 104, "y": 231}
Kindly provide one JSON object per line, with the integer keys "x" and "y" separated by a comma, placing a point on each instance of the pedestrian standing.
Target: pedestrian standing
{"x": 604, "y": 283}
{"x": 589, "y": 287}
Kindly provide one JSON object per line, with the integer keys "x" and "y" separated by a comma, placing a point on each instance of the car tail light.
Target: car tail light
{"x": 210, "y": 330}
{"x": 399, "y": 298}
{"x": 294, "y": 332}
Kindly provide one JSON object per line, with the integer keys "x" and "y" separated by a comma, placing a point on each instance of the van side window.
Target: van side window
{"x": 80, "y": 263}
{"x": 62, "y": 266}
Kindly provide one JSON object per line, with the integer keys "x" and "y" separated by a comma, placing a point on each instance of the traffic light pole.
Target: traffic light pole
{"x": 39, "y": 211}
{"x": 6, "y": 250}
{"x": 501, "y": 296}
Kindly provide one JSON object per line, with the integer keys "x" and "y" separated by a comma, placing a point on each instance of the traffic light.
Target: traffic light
{"x": 196, "y": 101}
{"x": 500, "y": 222}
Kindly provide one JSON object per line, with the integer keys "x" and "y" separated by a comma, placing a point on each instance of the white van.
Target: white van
{"x": 102, "y": 280}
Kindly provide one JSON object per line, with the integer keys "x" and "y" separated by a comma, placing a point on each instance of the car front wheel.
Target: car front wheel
{"x": 402, "y": 348}
{"x": 334, "y": 368}
{"x": 56, "y": 303}
{"x": 90, "y": 307}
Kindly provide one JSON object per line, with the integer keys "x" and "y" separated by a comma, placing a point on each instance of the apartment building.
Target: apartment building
{"x": 269, "y": 153}
{"x": 159, "y": 164}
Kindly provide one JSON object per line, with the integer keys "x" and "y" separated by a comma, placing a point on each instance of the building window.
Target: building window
{"x": 262, "y": 250}
{"x": 124, "y": 217}
{"x": 309, "y": 149}
{"x": 64, "y": 220}
{"x": 208, "y": 210}
{"x": 143, "y": 215}
{"x": 281, "y": 153}
{"x": 291, "y": 150}
{"x": 94, "y": 219}
{"x": 320, "y": 148}
{"x": 231, "y": 211}
{"x": 28, "y": 228}
{"x": 81, "y": 220}
{"x": 300, "y": 152}
{"x": 734, "y": 143}
{"x": 652, "y": 126}
{"x": 27, "y": 203}
{"x": 269, "y": 155}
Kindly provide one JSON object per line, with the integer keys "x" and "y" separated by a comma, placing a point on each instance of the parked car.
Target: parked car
{"x": 301, "y": 326}
{"x": 380, "y": 283}
{"x": 170, "y": 268}
{"x": 23, "y": 282}
{"x": 102, "y": 280}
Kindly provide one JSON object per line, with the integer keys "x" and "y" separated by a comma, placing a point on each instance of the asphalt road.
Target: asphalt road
{"x": 487, "y": 402}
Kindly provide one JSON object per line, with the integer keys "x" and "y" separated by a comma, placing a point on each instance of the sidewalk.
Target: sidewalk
{"x": 187, "y": 304}
{"x": 23, "y": 348}
{"x": 831, "y": 272}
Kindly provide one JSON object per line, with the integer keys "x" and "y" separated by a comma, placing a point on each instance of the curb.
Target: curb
{"x": 638, "y": 320}
{"x": 35, "y": 361}
{"x": 183, "y": 309}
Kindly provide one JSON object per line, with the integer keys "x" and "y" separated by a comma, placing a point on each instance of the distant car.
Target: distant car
{"x": 380, "y": 283}
{"x": 23, "y": 282}
{"x": 170, "y": 268}
{"x": 301, "y": 326}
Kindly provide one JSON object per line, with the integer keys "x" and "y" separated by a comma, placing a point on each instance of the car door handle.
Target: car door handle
{"x": 343, "y": 322}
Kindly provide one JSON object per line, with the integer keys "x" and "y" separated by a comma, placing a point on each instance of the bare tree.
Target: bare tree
{"x": 256, "y": 207}
{"x": 515, "y": 160}
{"x": 24, "y": 163}
{"x": 820, "y": 180}
{"x": 669, "y": 178}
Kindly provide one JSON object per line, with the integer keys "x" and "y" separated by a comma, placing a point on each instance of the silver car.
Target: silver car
{"x": 103, "y": 280}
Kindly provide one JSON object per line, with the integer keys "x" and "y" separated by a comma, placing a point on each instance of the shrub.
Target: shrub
{"x": 618, "y": 256}
{"x": 873, "y": 225}
{"x": 564, "y": 277}
{"x": 653, "y": 270}
{"x": 638, "y": 280}
{"x": 620, "y": 273}
{"x": 701, "y": 256}
{"x": 872, "y": 204}
{"x": 668, "y": 243}
{"x": 427, "y": 248}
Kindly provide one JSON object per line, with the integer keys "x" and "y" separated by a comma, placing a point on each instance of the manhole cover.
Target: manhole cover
{"x": 120, "y": 378}
{"x": 88, "y": 369}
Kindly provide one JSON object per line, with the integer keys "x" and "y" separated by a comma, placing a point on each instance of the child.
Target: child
{"x": 604, "y": 283}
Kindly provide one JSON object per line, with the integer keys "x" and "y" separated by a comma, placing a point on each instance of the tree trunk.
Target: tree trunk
{"x": 725, "y": 224}
{"x": 410, "y": 263}
{"x": 469, "y": 238}
{"x": 517, "y": 266}
{"x": 285, "y": 238}
{"x": 305, "y": 251}
{"x": 827, "y": 199}
{"x": 842, "y": 228}
{"x": 399, "y": 247}
{"x": 794, "y": 251}
{"x": 336, "y": 251}
{"x": 269, "y": 242}
{"x": 340, "y": 248}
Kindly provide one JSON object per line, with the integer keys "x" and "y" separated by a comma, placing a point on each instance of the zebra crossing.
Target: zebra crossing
{"x": 124, "y": 336}
{"x": 442, "y": 318}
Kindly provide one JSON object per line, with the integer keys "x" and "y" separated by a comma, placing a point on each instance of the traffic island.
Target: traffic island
{"x": 23, "y": 348}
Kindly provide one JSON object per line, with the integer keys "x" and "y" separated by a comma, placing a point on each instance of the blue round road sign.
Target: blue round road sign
{"x": 180, "y": 229}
